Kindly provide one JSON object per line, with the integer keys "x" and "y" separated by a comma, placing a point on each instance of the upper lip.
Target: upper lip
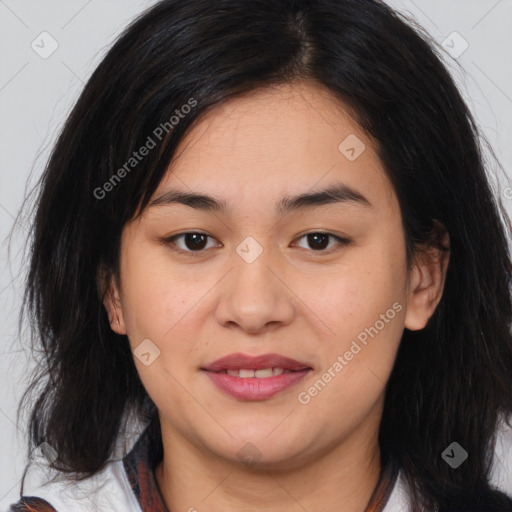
{"x": 242, "y": 361}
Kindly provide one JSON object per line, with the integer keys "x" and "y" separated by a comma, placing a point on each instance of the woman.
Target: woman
{"x": 203, "y": 350}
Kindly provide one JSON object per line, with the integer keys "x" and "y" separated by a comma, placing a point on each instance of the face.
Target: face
{"x": 323, "y": 282}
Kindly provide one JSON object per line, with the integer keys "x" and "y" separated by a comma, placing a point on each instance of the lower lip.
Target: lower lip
{"x": 252, "y": 388}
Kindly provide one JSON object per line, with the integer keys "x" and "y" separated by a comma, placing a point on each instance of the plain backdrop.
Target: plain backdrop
{"x": 36, "y": 95}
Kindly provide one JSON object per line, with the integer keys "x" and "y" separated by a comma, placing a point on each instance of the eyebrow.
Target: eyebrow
{"x": 337, "y": 193}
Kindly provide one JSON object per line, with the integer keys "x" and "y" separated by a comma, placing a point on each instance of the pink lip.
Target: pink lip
{"x": 239, "y": 361}
{"x": 253, "y": 388}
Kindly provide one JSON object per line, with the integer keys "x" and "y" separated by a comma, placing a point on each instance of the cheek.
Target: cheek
{"x": 364, "y": 309}
{"x": 158, "y": 306}
{"x": 360, "y": 291}
{"x": 155, "y": 296}
{"x": 357, "y": 362}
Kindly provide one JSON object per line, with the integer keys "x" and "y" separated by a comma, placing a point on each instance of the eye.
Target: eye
{"x": 319, "y": 241}
{"x": 195, "y": 242}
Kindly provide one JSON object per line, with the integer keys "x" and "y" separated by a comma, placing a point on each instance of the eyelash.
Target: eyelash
{"x": 343, "y": 242}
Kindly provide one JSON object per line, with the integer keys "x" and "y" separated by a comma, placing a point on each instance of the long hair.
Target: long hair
{"x": 451, "y": 381}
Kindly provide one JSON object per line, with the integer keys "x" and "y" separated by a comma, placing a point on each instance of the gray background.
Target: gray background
{"x": 36, "y": 94}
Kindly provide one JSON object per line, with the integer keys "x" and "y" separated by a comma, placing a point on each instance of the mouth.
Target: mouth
{"x": 255, "y": 378}
{"x": 262, "y": 373}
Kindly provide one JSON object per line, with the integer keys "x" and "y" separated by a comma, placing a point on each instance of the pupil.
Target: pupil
{"x": 195, "y": 237}
{"x": 315, "y": 236}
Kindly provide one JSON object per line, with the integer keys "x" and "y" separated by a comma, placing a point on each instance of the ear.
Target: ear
{"x": 427, "y": 278}
{"x": 108, "y": 289}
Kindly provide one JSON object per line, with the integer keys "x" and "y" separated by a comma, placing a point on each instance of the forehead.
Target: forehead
{"x": 274, "y": 143}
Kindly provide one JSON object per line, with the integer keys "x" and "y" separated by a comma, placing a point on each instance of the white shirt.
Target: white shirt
{"x": 111, "y": 491}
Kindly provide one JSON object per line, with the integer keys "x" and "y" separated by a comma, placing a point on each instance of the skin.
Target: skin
{"x": 294, "y": 300}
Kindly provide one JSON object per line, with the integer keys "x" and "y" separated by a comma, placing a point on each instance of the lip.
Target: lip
{"x": 253, "y": 388}
{"x": 238, "y": 361}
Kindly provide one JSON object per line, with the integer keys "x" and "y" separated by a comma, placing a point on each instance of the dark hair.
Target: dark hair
{"x": 451, "y": 380}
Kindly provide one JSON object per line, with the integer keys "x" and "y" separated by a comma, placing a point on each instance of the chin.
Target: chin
{"x": 261, "y": 451}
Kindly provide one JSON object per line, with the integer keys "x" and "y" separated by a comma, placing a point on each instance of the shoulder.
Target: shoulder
{"x": 31, "y": 504}
{"x": 500, "y": 477}
{"x": 501, "y": 474}
{"x": 399, "y": 499}
{"x": 48, "y": 491}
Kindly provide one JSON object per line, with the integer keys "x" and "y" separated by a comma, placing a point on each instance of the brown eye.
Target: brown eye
{"x": 318, "y": 241}
{"x": 193, "y": 242}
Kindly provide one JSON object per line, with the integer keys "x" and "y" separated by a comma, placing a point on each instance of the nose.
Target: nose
{"x": 257, "y": 294}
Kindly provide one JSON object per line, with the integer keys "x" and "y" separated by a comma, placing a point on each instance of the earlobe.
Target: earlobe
{"x": 420, "y": 303}
{"x": 426, "y": 283}
{"x": 109, "y": 291}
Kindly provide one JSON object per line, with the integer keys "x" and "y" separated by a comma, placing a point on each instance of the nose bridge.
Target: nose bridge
{"x": 255, "y": 296}
{"x": 252, "y": 272}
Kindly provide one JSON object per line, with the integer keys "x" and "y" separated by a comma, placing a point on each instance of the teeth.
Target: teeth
{"x": 264, "y": 372}
{"x": 259, "y": 374}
